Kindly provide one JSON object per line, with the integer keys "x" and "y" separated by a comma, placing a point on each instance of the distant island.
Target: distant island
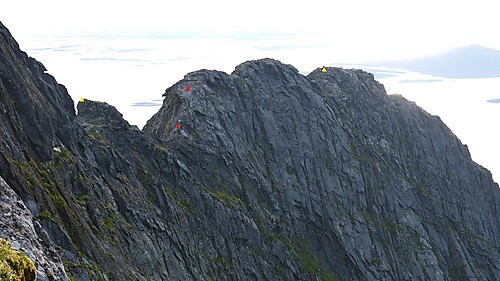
{"x": 494, "y": 100}
{"x": 472, "y": 61}
{"x": 146, "y": 104}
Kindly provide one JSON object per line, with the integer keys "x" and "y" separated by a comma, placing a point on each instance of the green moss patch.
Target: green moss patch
{"x": 82, "y": 199}
{"x": 62, "y": 156}
{"x": 95, "y": 136}
{"x": 14, "y": 265}
{"x": 309, "y": 261}
{"x": 300, "y": 250}
{"x": 224, "y": 197}
{"x": 185, "y": 205}
{"x": 109, "y": 223}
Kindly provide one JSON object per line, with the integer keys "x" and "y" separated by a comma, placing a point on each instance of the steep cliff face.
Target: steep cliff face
{"x": 376, "y": 187}
{"x": 271, "y": 175}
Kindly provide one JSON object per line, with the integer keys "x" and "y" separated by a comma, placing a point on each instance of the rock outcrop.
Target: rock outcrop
{"x": 25, "y": 234}
{"x": 271, "y": 175}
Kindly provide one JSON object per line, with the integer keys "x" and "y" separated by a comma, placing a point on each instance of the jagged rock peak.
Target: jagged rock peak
{"x": 259, "y": 82}
{"x": 101, "y": 113}
{"x": 262, "y": 174}
{"x": 266, "y": 67}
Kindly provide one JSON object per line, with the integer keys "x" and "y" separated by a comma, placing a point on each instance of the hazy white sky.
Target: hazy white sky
{"x": 374, "y": 29}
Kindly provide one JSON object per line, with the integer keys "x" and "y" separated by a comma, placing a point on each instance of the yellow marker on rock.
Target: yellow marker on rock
{"x": 82, "y": 99}
{"x": 323, "y": 69}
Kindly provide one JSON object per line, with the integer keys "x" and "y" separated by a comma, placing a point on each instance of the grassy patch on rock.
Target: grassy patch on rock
{"x": 14, "y": 265}
{"x": 304, "y": 254}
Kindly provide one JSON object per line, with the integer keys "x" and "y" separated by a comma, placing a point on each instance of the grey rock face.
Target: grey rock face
{"x": 377, "y": 187}
{"x": 25, "y": 234}
{"x": 271, "y": 175}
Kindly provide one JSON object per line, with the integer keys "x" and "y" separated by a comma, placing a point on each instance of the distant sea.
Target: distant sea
{"x": 132, "y": 71}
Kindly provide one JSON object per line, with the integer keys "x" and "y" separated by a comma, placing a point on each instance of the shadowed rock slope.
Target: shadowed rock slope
{"x": 272, "y": 176}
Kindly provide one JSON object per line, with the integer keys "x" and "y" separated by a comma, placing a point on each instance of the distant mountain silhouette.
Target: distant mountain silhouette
{"x": 464, "y": 62}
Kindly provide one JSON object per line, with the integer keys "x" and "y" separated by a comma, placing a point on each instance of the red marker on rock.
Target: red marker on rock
{"x": 188, "y": 88}
{"x": 177, "y": 126}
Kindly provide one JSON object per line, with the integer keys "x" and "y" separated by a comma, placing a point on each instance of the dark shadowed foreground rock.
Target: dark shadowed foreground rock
{"x": 271, "y": 175}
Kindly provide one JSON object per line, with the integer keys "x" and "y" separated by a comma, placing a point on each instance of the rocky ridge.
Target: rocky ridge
{"x": 272, "y": 175}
